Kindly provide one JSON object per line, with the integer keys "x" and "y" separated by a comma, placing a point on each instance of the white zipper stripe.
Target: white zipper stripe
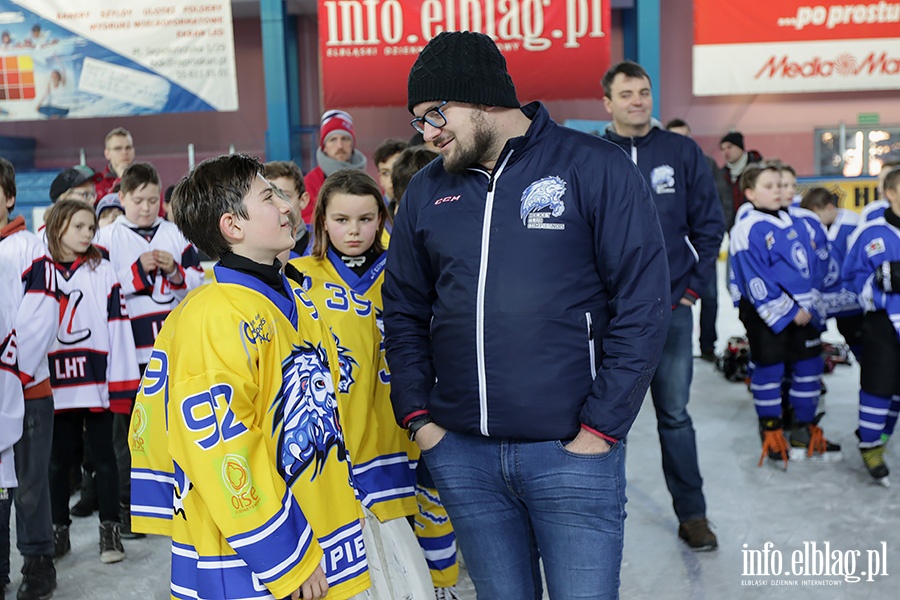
{"x": 590, "y": 324}
{"x": 479, "y": 299}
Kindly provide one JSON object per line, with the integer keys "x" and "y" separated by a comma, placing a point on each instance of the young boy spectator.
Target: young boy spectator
{"x": 109, "y": 209}
{"x": 157, "y": 267}
{"x": 771, "y": 259}
{"x": 238, "y": 406}
{"x": 74, "y": 183}
{"x": 29, "y": 293}
{"x": 872, "y": 270}
{"x": 407, "y": 164}
{"x": 287, "y": 177}
{"x": 385, "y": 156}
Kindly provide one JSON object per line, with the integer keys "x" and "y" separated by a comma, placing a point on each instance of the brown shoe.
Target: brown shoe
{"x": 697, "y": 535}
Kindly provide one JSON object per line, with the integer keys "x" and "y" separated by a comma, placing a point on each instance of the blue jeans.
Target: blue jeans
{"x": 671, "y": 390}
{"x": 34, "y": 526}
{"x": 514, "y": 502}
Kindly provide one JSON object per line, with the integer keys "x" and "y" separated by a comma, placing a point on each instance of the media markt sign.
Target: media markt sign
{"x": 867, "y": 119}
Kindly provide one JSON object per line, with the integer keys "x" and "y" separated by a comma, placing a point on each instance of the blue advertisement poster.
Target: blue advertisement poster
{"x": 68, "y": 59}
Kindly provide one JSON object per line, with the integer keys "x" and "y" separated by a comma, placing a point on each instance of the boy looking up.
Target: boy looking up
{"x": 238, "y": 407}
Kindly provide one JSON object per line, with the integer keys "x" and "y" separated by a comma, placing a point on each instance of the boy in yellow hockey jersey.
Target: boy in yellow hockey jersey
{"x": 237, "y": 416}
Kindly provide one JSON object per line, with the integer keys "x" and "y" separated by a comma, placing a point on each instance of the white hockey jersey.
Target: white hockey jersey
{"x": 93, "y": 363}
{"x": 150, "y": 296}
{"x": 12, "y": 405}
{"x": 29, "y": 289}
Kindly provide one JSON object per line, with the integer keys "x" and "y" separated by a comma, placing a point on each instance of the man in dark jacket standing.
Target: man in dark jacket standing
{"x": 525, "y": 312}
{"x": 693, "y": 226}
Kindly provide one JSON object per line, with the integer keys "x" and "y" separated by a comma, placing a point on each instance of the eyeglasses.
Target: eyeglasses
{"x": 434, "y": 117}
{"x": 83, "y": 195}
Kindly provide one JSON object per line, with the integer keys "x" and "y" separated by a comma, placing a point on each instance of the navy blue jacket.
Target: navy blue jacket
{"x": 530, "y": 300}
{"x": 689, "y": 207}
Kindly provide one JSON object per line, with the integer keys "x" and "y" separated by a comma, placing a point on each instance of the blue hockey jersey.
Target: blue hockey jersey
{"x": 874, "y": 243}
{"x": 771, "y": 264}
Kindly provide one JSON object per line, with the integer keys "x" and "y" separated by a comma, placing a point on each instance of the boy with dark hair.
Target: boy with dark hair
{"x": 288, "y": 178}
{"x": 872, "y": 270}
{"x": 385, "y": 156}
{"x": 408, "y": 164}
{"x": 238, "y": 410}
{"x": 840, "y": 301}
{"x": 29, "y": 293}
{"x": 157, "y": 267}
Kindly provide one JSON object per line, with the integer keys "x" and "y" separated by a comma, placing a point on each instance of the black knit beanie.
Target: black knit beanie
{"x": 461, "y": 66}
{"x": 733, "y": 137}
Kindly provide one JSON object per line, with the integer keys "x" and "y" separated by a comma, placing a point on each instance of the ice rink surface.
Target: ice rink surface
{"x": 798, "y": 514}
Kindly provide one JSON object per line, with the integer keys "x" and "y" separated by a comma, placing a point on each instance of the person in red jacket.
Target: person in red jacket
{"x": 337, "y": 150}
{"x": 119, "y": 152}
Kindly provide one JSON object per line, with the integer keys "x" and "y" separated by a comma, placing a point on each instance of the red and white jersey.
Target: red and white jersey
{"x": 12, "y": 405}
{"x": 150, "y": 296}
{"x": 29, "y": 292}
{"x": 93, "y": 362}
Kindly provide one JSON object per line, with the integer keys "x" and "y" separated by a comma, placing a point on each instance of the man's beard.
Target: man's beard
{"x": 482, "y": 141}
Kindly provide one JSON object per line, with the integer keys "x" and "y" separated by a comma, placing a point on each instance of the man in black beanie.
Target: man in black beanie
{"x": 526, "y": 301}
{"x": 736, "y": 160}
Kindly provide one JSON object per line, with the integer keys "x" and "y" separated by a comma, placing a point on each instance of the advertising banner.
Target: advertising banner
{"x": 555, "y": 49}
{"x": 103, "y": 58}
{"x": 752, "y": 47}
{"x": 853, "y": 193}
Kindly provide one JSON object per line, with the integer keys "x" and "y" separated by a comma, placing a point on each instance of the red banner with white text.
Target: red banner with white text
{"x": 753, "y": 47}
{"x": 555, "y": 49}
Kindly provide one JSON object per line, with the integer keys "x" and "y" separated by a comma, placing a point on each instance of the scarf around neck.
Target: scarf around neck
{"x": 331, "y": 166}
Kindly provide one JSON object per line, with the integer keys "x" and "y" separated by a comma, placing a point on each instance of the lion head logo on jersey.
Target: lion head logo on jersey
{"x": 543, "y": 193}
{"x": 307, "y": 413}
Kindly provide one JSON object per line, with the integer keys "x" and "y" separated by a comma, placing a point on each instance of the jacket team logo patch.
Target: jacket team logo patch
{"x": 543, "y": 194}
{"x": 662, "y": 179}
{"x": 874, "y": 247}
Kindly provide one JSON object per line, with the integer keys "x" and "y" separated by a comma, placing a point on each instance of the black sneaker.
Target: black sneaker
{"x": 111, "y": 549}
{"x": 61, "y": 543}
{"x": 708, "y": 356}
{"x": 38, "y": 578}
{"x": 697, "y": 535}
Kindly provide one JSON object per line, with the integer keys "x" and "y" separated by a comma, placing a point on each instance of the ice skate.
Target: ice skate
{"x": 874, "y": 460}
{"x": 809, "y": 443}
{"x": 774, "y": 444}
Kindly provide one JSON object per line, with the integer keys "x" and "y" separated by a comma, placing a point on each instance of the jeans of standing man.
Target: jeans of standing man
{"x": 671, "y": 390}
{"x": 709, "y": 307}
{"x": 34, "y": 526}
{"x": 67, "y": 429}
{"x": 513, "y": 502}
